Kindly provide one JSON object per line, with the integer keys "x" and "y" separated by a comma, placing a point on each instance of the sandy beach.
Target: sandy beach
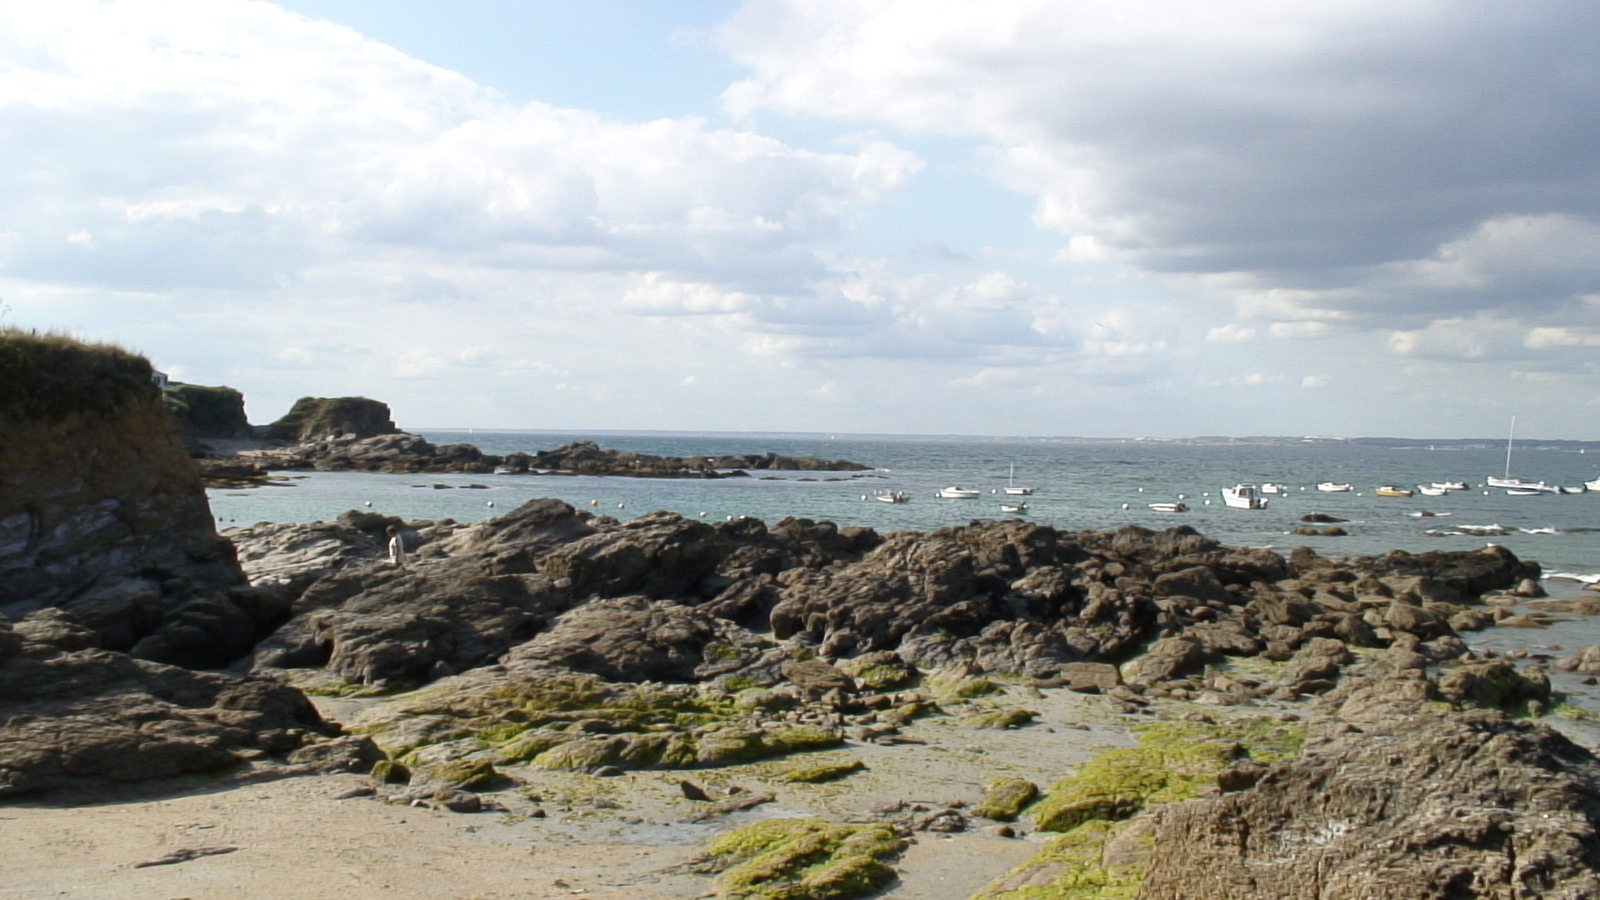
{"x": 600, "y": 838}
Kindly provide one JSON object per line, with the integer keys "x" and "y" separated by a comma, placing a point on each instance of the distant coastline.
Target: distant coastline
{"x": 1391, "y": 443}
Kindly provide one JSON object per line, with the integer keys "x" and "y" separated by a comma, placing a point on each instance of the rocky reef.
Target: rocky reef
{"x": 408, "y": 453}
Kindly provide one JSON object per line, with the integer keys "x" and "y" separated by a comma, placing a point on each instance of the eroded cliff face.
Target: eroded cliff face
{"x": 102, "y": 514}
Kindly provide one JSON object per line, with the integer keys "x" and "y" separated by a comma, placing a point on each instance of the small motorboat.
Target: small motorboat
{"x": 1450, "y": 485}
{"x": 1169, "y": 507}
{"x": 1524, "y": 492}
{"x": 1580, "y": 489}
{"x": 1430, "y": 490}
{"x": 1333, "y": 487}
{"x": 1272, "y": 487}
{"x": 956, "y": 492}
{"x": 888, "y": 496}
{"x": 1390, "y": 490}
{"x": 1244, "y": 496}
{"x": 1593, "y": 485}
{"x": 1014, "y": 507}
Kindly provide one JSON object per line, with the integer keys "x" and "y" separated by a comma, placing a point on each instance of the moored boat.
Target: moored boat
{"x": 1244, "y": 496}
{"x": 1593, "y": 485}
{"x": 1011, "y": 483}
{"x": 888, "y": 496}
{"x": 1169, "y": 507}
{"x": 1450, "y": 485}
{"x": 1333, "y": 487}
{"x": 1014, "y": 507}
{"x": 1390, "y": 490}
{"x": 1272, "y": 487}
{"x": 956, "y": 492}
{"x": 1432, "y": 490}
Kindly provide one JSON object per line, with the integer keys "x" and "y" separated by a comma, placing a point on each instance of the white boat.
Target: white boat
{"x": 1333, "y": 487}
{"x": 1272, "y": 487}
{"x": 1432, "y": 490}
{"x": 1580, "y": 489}
{"x": 1014, "y": 507}
{"x": 1011, "y": 483}
{"x": 1169, "y": 507}
{"x": 1244, "y": 496}
{"x": 887, "y": 496}
{"x": 956, "y": 492}
{"x": 1390, "y": 490}
{"x": 1518, "y": 487}
{"x": 1593, "y": 485}
{"x": 1450, "y": 485}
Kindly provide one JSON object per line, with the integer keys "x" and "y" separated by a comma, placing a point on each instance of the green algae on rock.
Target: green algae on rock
{"x": 822, "y": 771}
{"x": 563, "y": 720}
{"x": 1070, "y": 867}
{"x": 1010, "y": 717}
{"x": 802, "y": 859}
{"x": 1172, "y": 762}
{"x": 1004, "y": 798}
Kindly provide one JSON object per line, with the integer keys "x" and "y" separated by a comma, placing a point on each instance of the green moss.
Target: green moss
{"x": 957, "y": 690}
{"x": 1172, "y": 762}
{"x": 1004, "y": 798}
{"x": 1001, "y": 718}
{"x": 466, "y": 774}
{"x": 389, "y": 771}
{"x": 802, "y": 859}
{"x": 582, "y": 721}
{"x": 46, "y": 377}
{"x": 1069, "y": 867}
{"x": 822, "y": 771}
{"x": 1575, "y": 713}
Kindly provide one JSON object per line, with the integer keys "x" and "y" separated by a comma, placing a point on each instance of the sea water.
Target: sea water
{"x": 1077, "y": 485}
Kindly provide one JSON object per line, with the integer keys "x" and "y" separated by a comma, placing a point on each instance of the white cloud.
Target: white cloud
{"x": 1365, "y": 158}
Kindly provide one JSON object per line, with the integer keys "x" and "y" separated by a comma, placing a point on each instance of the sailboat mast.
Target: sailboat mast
{"x": 1509, "y": 438}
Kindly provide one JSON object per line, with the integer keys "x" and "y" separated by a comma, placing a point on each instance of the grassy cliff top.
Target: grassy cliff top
{"x": 46, "y": 376}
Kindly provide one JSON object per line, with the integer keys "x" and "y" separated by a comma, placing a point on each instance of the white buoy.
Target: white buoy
{"x": 622, "y": 506}
{"x": 1208, "y": 502}
{"x": 594, "y": 502}
{"x": 702, "y": 515}
{"x": 1124, "y": 506}
{"x": 490, "y": 504}
{"x": 1183, "y": 496}
{"x": 369, "y": 502}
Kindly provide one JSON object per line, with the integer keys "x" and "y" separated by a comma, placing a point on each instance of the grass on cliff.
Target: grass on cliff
{"x": 45, "y": 376}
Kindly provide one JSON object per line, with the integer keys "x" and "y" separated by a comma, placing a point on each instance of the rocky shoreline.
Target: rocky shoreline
{"x": 676, "y": 708}
{"x": 552, "y": 643}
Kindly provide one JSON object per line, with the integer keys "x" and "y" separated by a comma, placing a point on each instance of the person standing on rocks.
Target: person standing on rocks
{"x": 397, "y": 547}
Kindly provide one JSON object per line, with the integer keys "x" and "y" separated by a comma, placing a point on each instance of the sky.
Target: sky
{"x": 1094, "y": 218}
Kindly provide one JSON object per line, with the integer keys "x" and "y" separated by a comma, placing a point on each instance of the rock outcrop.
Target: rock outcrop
{"x": 1471, "y": 805}
{"x": 102, "y": 512}
{"x": 78, "y": 718}
{"x": 207, "y": 412}
{"x": 320, "y": 418}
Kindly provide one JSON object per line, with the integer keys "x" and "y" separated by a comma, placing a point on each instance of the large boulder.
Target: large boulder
{"x": 84, "y": 719}
{"x": 1414, "y": 807}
